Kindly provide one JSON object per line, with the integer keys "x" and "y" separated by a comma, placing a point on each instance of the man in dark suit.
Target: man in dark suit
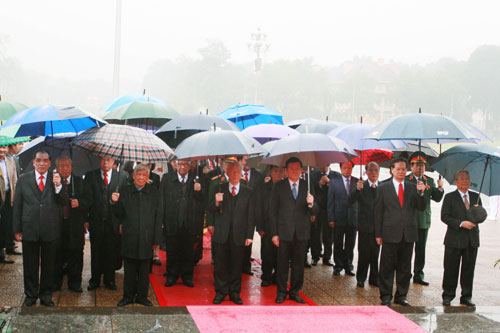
{"x": 368, "y": 249}
{"x": 461, "y": 240}
{"x": 103, "y": 226}
{"x": 268, "y": 251}
{"x": 8, "y": 180}
{"x": 395, "y": 211}
{"x": 183, "y": 200}
{"x": 72, "y": 239}
{"x": 232, "y": 231}
{"x": 37, "y": 223}
{"x": 343, "y": 218}
{"x": 291, "y": 209}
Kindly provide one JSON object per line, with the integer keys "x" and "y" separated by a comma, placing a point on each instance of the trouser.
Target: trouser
{"x": 368, "y": 253}
{"x": 344, "y": 238}
{"x": 268, "y": 253}
{"x": 455, "y": 260}
{"x": 291, "y": 254}
{"x": 419, "y": 261}
{"x": 39, "y": 260}
{"x": 103, "y": 257}
{"x": 326, "y": 235}
{"x": 315, "y": 241}
{"x": 180, "y": 255}
{"x": 6, "y": 229}
{"x": 395, "y": 257}
{"x": 136, "y": 278}
{"x": 228, "y": 267}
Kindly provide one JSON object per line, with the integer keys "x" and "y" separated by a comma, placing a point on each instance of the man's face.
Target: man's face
{"x": 463, "y": 182}
{"x": 276, "y": 174}
{"x": 418, "y": 168}
{"x": 107, "y": 163}
{"x": 233, "y": 172}
{"x": 41, "y": 163}
{"x": 372, "y": 172}
{"x": 183, "y": 167}
{"x": 3, "y": 152}
{"x": 346, "y": 169}
{"x": 399, "y": 171}
{"x": 294, "y": 170}
{"x": 141, "y": 178}
{"x": 64, "y": 167}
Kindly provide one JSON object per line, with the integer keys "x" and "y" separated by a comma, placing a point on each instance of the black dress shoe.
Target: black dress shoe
{"x": 188, "y": 283}
{"x": 6, "y": 261}
{"x": 467, "y": 302}
{"x": 386, "y": 302}
{"x": 336, "y": 272}
{"x": 29, "y": 301}
{"x": 76, "y": 289}
{"x": 307, "y": 265}
{"x": 360, "y": 284}
{"x": 144, "y": 301}
{"x": 402, "y": 302}
{"x": 297, "y": 299}
{"x": 110, "y": 286}
{"x": 125, "y": 301}
{"x": 280, "y": 298}
{"x": 156, "y": 262}
{"x": 170, "y": 282}
{"x": 46, "y": 302}
{"x": 265, "y": 283}
{"x": 248, "y": 272}
{"x": 218, "y": 298}
{"x": 374, "y": 284}
{"x": 236, "y": 299}
{"x": 92, "y": 286}
{"x": 13, "y": 252}
{"x": 446, "y": 302}
{"x": 421, "y": 282}
{"x": 350, "y": 273}
{"x": 315, "y": 262}
{"x": 327, "y": 263}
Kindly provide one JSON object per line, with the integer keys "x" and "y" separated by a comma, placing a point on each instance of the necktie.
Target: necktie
{"x": 246, "y": 176}
{"x": 347, "y": 186}
{"x": 66, "y": 207}
{"x": 233, "y": 191}
{"x": 105, "y": 180}
{"x": 374, "y": 185}
{"x": 183, "y": 180}
{"x": 401, "y": 195}
{"x": 41, "y": 185}
{"x": 294, "y": 190}
{"x": 466, "y": 202}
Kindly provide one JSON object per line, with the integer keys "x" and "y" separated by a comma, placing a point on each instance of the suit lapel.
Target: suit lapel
{"x": 34, "y": 185}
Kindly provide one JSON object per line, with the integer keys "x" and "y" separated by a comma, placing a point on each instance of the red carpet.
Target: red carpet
{"x": 203, "y": 292}
{"x": 292, "y": 319}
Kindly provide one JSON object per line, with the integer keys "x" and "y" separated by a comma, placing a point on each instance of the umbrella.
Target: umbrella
{"x": 221, "y": 143}
{"x": 318, "y": 126}
{"x": 8, "y": 140}
{"x": 126, "y": 99}
{"x": 179, "y": 128}
{"x": 146, "y": 115}
{"x": 124, "y": 142}
{"x": 49, "y": 120}
{"x": 246, "y": 115}
{"x": 482, "y": 161}
{"x": 269, "y": 132}
{"x": 8, "y": 109}
{"x": 83, "y": 161}
{"x": 296, "y": 123}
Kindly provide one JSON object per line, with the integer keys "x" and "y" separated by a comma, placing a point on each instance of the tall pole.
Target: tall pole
{"x": 118, "y": 37}
{"x": 259, "y": 45}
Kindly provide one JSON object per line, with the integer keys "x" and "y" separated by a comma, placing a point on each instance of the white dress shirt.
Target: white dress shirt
{"x": 396, "y": 184}
{"x": 236, "y": 186}
{"x": 296, "y": 184}
{"x": 109, "y": 173}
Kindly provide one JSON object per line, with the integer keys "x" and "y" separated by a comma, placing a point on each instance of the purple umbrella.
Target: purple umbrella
{"x": 268, "y": 132}
{"x": 354, "y": 135}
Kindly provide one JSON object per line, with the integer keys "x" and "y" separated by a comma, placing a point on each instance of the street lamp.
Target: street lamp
{"x": 258, "y": 45}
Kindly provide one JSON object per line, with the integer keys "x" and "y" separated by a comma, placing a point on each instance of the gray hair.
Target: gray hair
{"x": 141, "y": 167}
{"x": 372, "y": 165}
{"x": 461, "y": 172}
{"x": 63, "y": 158}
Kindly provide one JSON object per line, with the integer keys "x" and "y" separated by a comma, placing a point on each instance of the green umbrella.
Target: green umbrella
{"x": 146, "y": 115}
{"x": 7, "y": 109}
{"x": 7, "y": 141}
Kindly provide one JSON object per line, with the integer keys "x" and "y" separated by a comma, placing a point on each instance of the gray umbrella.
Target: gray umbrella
{"x": 318, "y": 126}
{"x": 217, "y": 144}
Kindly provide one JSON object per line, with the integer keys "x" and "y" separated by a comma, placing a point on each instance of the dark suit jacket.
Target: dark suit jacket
{"x": 241, "y": 220}
{"x": 366, "y": 202}
{"x": 453, "y": 213}
{"x": 256, "y": 182}
{"x": 38, "y": 215}
{"x": 171, "y": 193}
{"x": 321, "y": 192}
{"x": 73, "y": 228}
{"x": 395, "y": 223}
{"x": 291, "y": 217}
{"x": 339, "y": 208}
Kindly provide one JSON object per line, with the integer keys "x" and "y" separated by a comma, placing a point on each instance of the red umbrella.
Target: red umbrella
{"x": 372, "y": 155}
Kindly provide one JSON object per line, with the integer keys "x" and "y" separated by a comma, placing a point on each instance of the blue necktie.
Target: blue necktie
{"x": 294, "y": 191}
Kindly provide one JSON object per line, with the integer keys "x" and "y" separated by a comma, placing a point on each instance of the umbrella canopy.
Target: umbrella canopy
{"x": 49, "y": 120}
{"x": 246, "y": 115}
{"x": 318, "y": 126}
{"x": 83, "y": 160}
{"x": 8, "y": 140}
{"x": 8, "y": 109}
{"x": 217, "y": 144}
{"x": 424, "y": 127}
{"x": 355, "y": 135}
{"x": 482, "y": 161}
{"x": 314, "y": 149}
{"x": 124, "y": 143}
{"x": 126, "y": 99}
{"x": 269, "y": 132}
{"x": 141, "y": 114}
{"x": 296, "y": 123}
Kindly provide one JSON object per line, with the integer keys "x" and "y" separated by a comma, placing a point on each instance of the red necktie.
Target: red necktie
{"x": 233, "y": 191}
{"x": 105, "y": 180}
{"x": 41, "y": 185}
{"x": 401, "y": 194}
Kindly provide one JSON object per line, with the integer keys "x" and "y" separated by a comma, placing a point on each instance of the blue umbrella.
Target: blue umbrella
{"x": 49, "y": 120}
{"x": 126, "y": 99}
{"x": 355, "y": 135}
{"x": 246, "y": 115}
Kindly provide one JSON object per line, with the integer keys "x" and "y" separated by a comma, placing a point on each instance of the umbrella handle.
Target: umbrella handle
{"x": 308, "y": 180}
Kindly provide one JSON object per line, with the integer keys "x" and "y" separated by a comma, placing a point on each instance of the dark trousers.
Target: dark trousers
{"x": 180, "y": 255}
{"x": 344, "y": 238}
{"x": 6, "y": 229}
{"x": 395, "y": 257}
{"x": 39, "y": 259}
{"x": 315, "y": 241}
{"x": 70, "y": 263}
{"x": 228, "y": 267}
{"x": 269, "y": 254}
{"x": 326, "y": 235}
{"x": 368, "y": 252}
{"x": 136, "y": 278}
{"x": 291, "y": 255}
{"x": 103, "y": 257}
{"x": 455, "y": 260}
{"x": 419, "y": 261}
{"x": 247, "y": 259}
